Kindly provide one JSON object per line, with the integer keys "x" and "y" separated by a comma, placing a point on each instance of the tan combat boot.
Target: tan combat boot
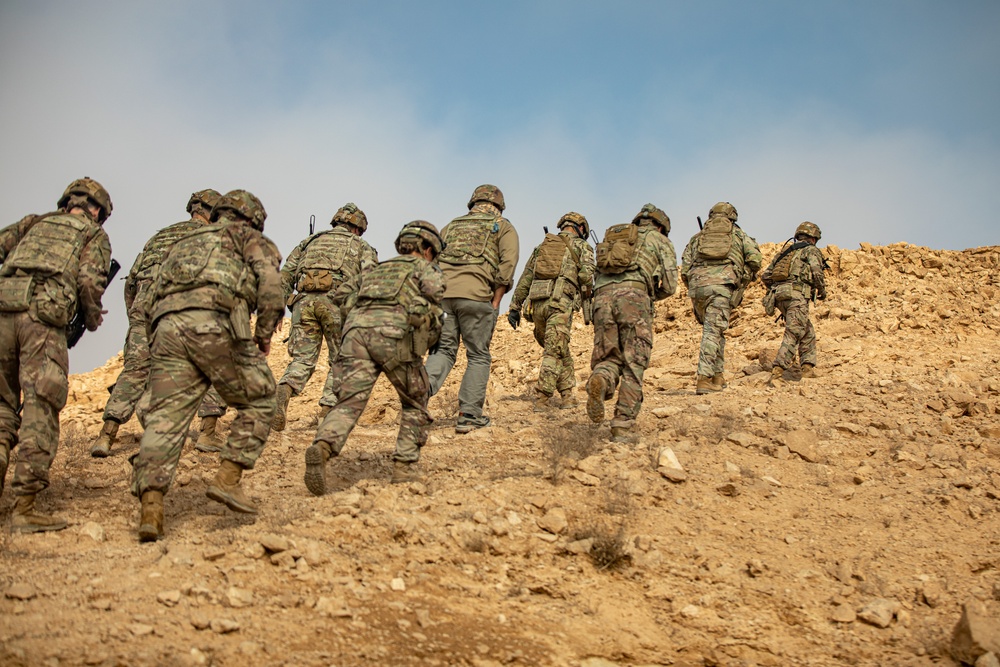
{"x": 317, "y": 455}
{"x": 569, "y": 400}
{"x": 226, "y": 488}
{"x": 24, "y": 518}
{"x": 208, "y": 440}
{"x": 719, "y": 382}
{"x": 324, "y": 410}
{"x": 597, "y": 389}
{"x": 283, "y": 395}
{"x": 403, "y": 473}
{"x": 541, "y": 401}
{"x": 705, "y": 385}
{"x": 809, "y": 371}
{"x": 102, "y": 446}
{"x": 622, "y": 434}
{"x": 151, "y": 523}
{"x": 777, "y": 378}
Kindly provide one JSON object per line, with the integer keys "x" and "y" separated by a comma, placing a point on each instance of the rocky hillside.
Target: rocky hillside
{"x": 843, "y": 520}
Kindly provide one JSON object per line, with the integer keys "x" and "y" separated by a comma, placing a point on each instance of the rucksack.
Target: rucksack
{"x": 716, "y": 239}
{"x": 618, "y": 251}
{"x": 782, "y": 264}
{"x": 552, "y": 251}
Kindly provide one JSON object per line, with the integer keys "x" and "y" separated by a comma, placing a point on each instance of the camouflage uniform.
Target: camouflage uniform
{"x": 792, "y": 296}
{"x": 713, "y": 286}
{"x": 623, "y": 323}
{"x": 552, "y": 302}
{"x": 53, "y": 266}
{"x": 478, "y": 266}
{"x": 201, "y": 338}
{"x": 396, "y": 314}
{"x": 314, "y": 271}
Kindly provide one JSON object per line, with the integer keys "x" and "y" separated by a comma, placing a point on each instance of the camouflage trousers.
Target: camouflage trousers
{"x": 712, "y": 308}
{"x": 553, "y": 319}
{"x": 193, "y": 350}
{"x": 314, "y": 318}
{"x": 129, "y": 392}
{"x": 364, "y": 354}
{"x": 33, "y": 360}
{"x": 623, "y": 341}
{"x": 800, "y": 336}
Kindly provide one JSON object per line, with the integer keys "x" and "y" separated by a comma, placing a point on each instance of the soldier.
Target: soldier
{"x": 315, "y": 269}
{"x": 717, "y": 265}
{"x": 131, "y": 382}
{"x": 53, "y": 267}
{"x": 394, "y": 321}
{"x": 199, "y": 313}
{"x": 636, "y": 264}
{"x": 559, "y": 272}
{"x": 794, "y": 278}
{"x": 478, "y": 264}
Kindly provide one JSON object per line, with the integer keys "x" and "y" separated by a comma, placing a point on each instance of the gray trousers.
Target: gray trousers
{"x": 471, "y": 322}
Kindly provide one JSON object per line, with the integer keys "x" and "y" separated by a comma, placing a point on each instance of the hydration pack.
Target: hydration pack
{"x": 618, "y": 251}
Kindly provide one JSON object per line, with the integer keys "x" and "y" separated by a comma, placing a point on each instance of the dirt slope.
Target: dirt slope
{"x": 869, "y": 493}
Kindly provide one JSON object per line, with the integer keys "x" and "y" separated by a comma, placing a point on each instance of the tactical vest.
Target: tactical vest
{"x": 618, "y": 251}
{"x": 715, "y": 241}
{"x": 384, "y": 284}
{"x": 472, "y": 239}
{"x": 781, "y": 268}
{"x": 328, "y": 259}
{"x": 157, "y": 247}
{"x": 200, "y": 259}
{"x": 557, "y": 258}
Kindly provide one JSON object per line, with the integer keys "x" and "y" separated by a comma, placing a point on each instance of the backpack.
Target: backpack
{"x": 618, "y": 251}
{"x": 552, "y": 251}
{"x": 782, "y": 264}
{"x": 716, "y": 239}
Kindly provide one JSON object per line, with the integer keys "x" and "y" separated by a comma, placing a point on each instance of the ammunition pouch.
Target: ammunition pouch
{"x": 316, "y": 280}
{"x": 239, "y": 319}
{"x": 541, "y": 289}
{"x": 15, "y": 293}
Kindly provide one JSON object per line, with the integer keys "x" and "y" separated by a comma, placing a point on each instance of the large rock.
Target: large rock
{"x": 977, "y": 633}
{"x": 805, "y": 443}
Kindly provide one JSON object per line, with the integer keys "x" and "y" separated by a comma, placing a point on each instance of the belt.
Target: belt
{"x": 635, "y": 284}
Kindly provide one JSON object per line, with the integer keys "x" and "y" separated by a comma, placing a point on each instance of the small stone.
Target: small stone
{"x": 667, "y": 459}
{"x": 249, "y": 648}
{"x": 168, "y": 598}
{"x": 332, "y": 607}
{"x": 755, "y": 567}
{"x": 987, "y": 660}
{"x": 183, "y": 478}
{"x": 585, "y": 479}
{"x": 274, "y": 543}
{"x": 730, "y": 490}
{"x": 397, "y": 584}
{"x": 222, "y": 626}
{"x": 667, "y": 411}
{"x": 843, "y": 613}
{"x": 238, "y": 597}
{"x": 672, "y": 474}
{"x": 804, "y": 443}
{"x": 140, "y": 629}
{"x": 580, "y": 547}
{"x": 94, "y": 531}
{"x": 879, "y": 612}
{"x": 554, "y": 521}
{"x": 285, "y": 559}
{"x": 770, "y": 480}
{"x": 690, "y": 611}
{"x": 214, "y": 555}
{"x": 96, "y": 483}
{"x": 20, "y": 591}
{"x": 199, "y": 622}
{"x": 741, "y": 438}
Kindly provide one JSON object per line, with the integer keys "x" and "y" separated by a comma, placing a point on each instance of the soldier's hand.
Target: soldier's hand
{"x": 263, "y": 345}
{"x": 821, "y": 296}
{"x": 514, "y": 317}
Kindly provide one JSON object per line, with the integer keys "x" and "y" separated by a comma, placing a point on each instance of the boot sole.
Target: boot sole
{"x": 278, "y": 423}
{"x": 148, "y": 533}
{"x": 100, "y": 452}
{"x": 595, "y": 401}
{"x": 315, "y": 477}
{"x": 220, "y": 496}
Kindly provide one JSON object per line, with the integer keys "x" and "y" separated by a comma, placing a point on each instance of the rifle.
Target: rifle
{"x": 312, "y": 224}
{"x": 700, "y": 226}
{"x": 76, "y": 327}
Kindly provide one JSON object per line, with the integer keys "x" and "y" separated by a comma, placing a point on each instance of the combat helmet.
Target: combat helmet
{"x": 204, "y": 198}
{"x": 245, "y": 204}
{"x": 724, "y": 209}
{"x": 574, "y": 218}
{"x": 488, "y": 193}
{"x": 350, "y": 214}
{"x": 92, "y": 190}
{"x": 656, "y": 215}
{"x": 423, "y": 230}
{"x": 808, "y": 229}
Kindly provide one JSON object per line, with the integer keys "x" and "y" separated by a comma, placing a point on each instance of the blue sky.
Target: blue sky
{"x": 875, "y": 120}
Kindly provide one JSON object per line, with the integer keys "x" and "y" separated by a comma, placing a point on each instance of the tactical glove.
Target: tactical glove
{"x": 514, "y": 317}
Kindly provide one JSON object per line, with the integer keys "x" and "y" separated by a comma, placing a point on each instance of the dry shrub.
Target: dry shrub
{"x": 570, "y": 441}
{"x": 617, "y": 499}
{"x": 608, "y": 551}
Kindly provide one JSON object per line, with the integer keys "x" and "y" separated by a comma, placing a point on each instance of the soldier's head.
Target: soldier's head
{"x": 651, "y": 215}
{"x": 808, "y": 231}
{"x": 240, "y": 205}
{"x": 90, "y": 196}
{"x": 419, "y": 237}
{"x": 576, "y": 222}
{"x": 352, "y": 217}
{"x": 200, "y": 204}
{"x": 724, "y": 209}
{"x": 487, "y": 193}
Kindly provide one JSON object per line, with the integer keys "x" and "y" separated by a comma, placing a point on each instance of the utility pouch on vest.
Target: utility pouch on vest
{"x": 239, "y": 318}
{"x": 716, "y": 239}
{"x": 15, "y": 293}
{"x": 540, "y": 289}
{"x": 768, "y": 302}
{"x": 617, "y": 252}
{"x": 549, "y": 262}
{"x": 315, "y": 280}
